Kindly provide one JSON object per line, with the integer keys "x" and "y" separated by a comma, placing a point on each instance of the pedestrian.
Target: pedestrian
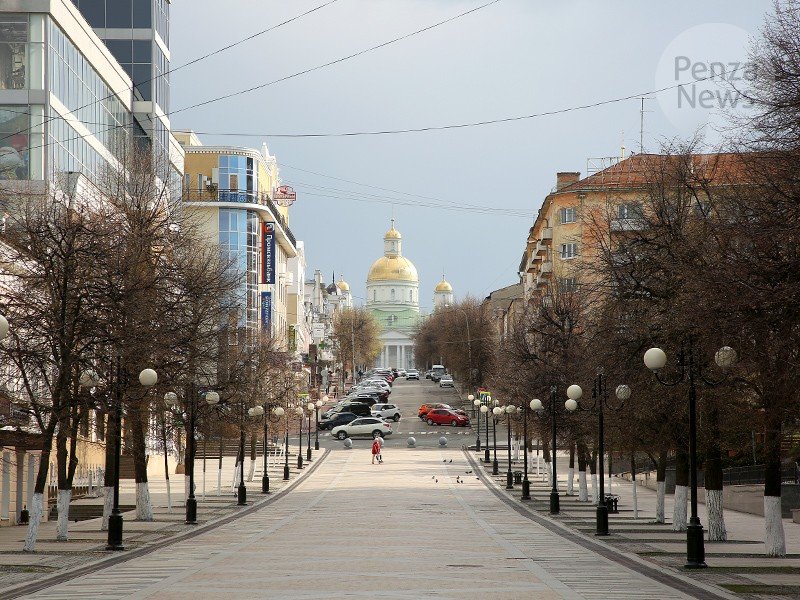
{"x": 376, "y": 451}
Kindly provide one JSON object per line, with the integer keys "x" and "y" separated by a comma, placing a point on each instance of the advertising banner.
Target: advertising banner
{"x": 268, "y": 253}
{"x": 266, "y": 311}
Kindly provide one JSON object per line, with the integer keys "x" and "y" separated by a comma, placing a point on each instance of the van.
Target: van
{"x": 436, "y": 372}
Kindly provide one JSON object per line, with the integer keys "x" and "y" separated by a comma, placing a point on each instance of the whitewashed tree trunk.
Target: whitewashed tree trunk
{"x": 219, "y": 481}
{"x": 570, "y": 484}
{"x": 774, "y": 538}
{"x": 661, "y": 492}
{"x": 538, "y": 467}
{"x": 108, "y": 506}
{"x": 583, "y": 491}
{"x": 595, "y": 488}
{"x": 36, "y": 514}
{"x": 635, "y": 500}
{"x": 679, "y": 510}
{"x": 62, "y": 505}
{"x": 251, "y": 473}
{"x": 716, "y": 516}
{"x": 548, "y": 473}
{"x": 144, "y": 508}
{"x": 169, "y": 495}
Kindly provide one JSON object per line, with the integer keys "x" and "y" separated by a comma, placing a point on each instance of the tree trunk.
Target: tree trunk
{"x": 583, "y": 491}
{"x": 546, "y": 454}
{"x": 37, "y": 507}
{"x": 64, "y": 488}
{"x": 712, "y": 470}
{"x": 571, "y": 470}
{"x": 252, "y": 470}
{"x": 144, "y": 507}
{"x": 108, "y": 475}
{"x": 219, "y": 466}
{"x": 633, "y": 486}
{"x": 166, "y": 459}
{"x": 681, "y": 491}
{"x": 661, "y": 485}
{"x": 774, "y": 538}
{"x": 593, "y": 471}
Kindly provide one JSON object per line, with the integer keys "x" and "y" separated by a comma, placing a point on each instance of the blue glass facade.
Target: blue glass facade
{"x": 238, "y": 242}
{"x": 238, "y": 179}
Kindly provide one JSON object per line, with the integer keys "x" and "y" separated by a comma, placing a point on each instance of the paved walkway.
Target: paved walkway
{"x": 404, "y": 529}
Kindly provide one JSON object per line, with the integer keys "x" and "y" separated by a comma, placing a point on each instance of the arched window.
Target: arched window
{"x": 392, "y": 293}
{"x": 410, "y": 295}
{"x": 374, "y": 295}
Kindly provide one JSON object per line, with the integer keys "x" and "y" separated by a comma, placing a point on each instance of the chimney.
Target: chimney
{"x": 564, "y": 179}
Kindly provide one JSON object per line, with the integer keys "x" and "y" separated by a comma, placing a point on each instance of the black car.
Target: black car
{"x": 359, "y": 409}
{"x": 341, "y": 418}
{"x": 364, "y": 397}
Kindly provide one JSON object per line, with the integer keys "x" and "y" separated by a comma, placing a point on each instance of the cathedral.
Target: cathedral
{"x": 393, "y": 298}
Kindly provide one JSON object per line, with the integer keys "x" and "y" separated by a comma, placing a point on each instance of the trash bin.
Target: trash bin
{"x": 517, "y": 476}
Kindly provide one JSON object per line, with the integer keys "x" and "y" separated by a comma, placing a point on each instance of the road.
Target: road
{"x": 419, "y": 525}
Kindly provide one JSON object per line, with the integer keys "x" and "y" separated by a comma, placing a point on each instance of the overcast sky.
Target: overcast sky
{"x": 515, "y": 57}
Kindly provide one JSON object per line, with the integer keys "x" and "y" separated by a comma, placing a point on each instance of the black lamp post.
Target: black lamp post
{"x": 496, "y": 412}
{"x": 485, "y": 410}
{"x": 509, "y": 410}
{"x": 310, "y": 407}
{"x": 241, "y": 491}
{"x": 599, "y": 402}
{"x": 526, "y": 484}
{"x": 286, "y": 450}
{"x": 655, "y": 359}
{"x": 299, "y": 411}
{"x": 277, "y": 413}
{"x": 536, "y": 405}
{"x": 317, "y": 405}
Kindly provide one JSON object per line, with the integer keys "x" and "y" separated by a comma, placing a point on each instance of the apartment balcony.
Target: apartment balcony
{"x": 547, "y": 267}
{"x": 541, "y": 248}
{"x": 547, "y": 235}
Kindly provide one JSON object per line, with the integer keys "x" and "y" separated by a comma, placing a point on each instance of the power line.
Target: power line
{"x": 191, "y": 62}
{"x": 336, "y": 61}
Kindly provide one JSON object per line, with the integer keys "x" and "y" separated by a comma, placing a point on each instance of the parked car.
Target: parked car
{"x": 436, "y": 372}
{"x": 341, "y": 418}
{"x": 386, "y": 411}
{"x": 444, "y": 416}
{"x": 423, "y": 410}
{"x": 412, "y": 374}
{"x": 428, "y": 374}
{"x": 371, "y": 426}
{"x": 446, "y": 381}
{"x": 369, "y": 399}
{"x": 403, "y": 373}
{"x": 359, "y": 409}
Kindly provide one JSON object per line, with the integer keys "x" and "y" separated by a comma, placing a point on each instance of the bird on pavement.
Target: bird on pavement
{"x": 445, "y": 460}
{"x": 437, "y": 481}
{"x": 451, "y": 460}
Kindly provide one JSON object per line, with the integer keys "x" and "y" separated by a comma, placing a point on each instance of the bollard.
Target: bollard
{"x": 411, "y": 442}
{"x": 348, "y": 443}
{"x": 443, "y": 441}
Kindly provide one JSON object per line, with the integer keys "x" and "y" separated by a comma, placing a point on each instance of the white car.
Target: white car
{"x": 371, "y": 426}
{"x": 386, "y": 411}
{"x": 446, "y": 381}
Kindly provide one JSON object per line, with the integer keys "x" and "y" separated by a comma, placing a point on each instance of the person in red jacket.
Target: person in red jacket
{"x": 376, "y": 451}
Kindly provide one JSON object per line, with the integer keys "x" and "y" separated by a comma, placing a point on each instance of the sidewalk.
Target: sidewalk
{"x": 86, "y": 544}
{"x": 738, "y": 565}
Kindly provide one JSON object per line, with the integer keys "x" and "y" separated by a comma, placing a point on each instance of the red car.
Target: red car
{"x": 444, "y": 416}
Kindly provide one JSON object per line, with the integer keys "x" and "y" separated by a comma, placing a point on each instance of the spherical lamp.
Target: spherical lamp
{"x": 623, "y": 392}
{"x": 278, "y": 411}
{"x": 574, "y": 392}
{"x": 655, "y": 359}
{"x": 212, "y": 397}
{"x": 536, "y": 404}
{"x": 484, "y": 409}
{"x": 571, "y": 405}
{"x": 3, "y": 327}
{"x": 725, "y": 357}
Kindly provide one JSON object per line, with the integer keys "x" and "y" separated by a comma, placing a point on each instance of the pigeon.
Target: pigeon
{"x": 445, "y": 460}
{"x": 437, "y": 481}
{"x": 468, "y": 472}
{"x": 433, "y": 477}
{"x": 451, "y": 460}
{"x": 478, "y": 478}
{"x": 457, "y": 479}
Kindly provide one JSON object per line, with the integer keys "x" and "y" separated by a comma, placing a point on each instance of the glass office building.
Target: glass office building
{"x": 67, "y": 101}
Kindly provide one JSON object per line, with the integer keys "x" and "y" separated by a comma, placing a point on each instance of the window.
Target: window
{"x": 567, "y": 215}
{"x": 568, "y": 284}
{"x": 629, "y": 210}
{"x": 410, "y": 295}
{"x": 392, "y": 293}
{"x": 374, "y": 295}
{"x": 568, "y": 251}
{"x": 13, "y": 51}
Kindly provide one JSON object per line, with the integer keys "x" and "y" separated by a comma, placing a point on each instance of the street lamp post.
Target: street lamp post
{"x": 526, "y": 484}
{"x": 171, "y": 400}
{"x": 655, "y": 359}
{"x": 536, "y": 405}
{"x": 476, "y": 408}
{"x": 317, "y": 405}
{"x": 311, "y": 406}
{"x": 147, "y": 378}
{"x": 600, "y": 402}
{"x": 286, "y": 449}
{"x": 510, "y": 409}
{"x": 241, "y": 491}
{"x": 484, "y": 410}
{"x": 496, "y": 412}
{"x": 277, "y": 412}
{"x": 299, "y": 411}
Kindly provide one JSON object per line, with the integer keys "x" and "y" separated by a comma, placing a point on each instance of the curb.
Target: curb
{"x": 115, "y": 559}
{"x": 630, "y": 561}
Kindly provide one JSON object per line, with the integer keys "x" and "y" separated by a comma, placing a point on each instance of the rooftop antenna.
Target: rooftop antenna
{"x": 622, "y": 146}
{"x": 641, "y": 123}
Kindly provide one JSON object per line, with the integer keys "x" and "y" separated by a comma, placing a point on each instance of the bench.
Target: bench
{"x": 612, "y": 503}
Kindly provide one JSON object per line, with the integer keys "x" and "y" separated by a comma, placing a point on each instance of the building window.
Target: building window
{"x": 568, "y": 284}
{"x": 629, "y": 210}
{"x": 13, "y": 51}
{"x": 374, "y": 295}
{"x": 568, "y": 215}
{"x": 410, "y": 295}
{"x": 392, "y": 293}
{"x": 568, "y": 251}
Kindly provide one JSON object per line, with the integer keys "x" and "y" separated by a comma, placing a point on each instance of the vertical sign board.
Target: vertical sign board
{"x": 268, "y": 253}
{"x": 266, "y": 311}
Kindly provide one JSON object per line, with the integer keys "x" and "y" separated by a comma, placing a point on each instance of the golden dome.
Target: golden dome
{"x": 392, "y": 234}
{"x": 393, "y": 268}
{"x": 444, "y": 287}
{"x": 343, "y": 285}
